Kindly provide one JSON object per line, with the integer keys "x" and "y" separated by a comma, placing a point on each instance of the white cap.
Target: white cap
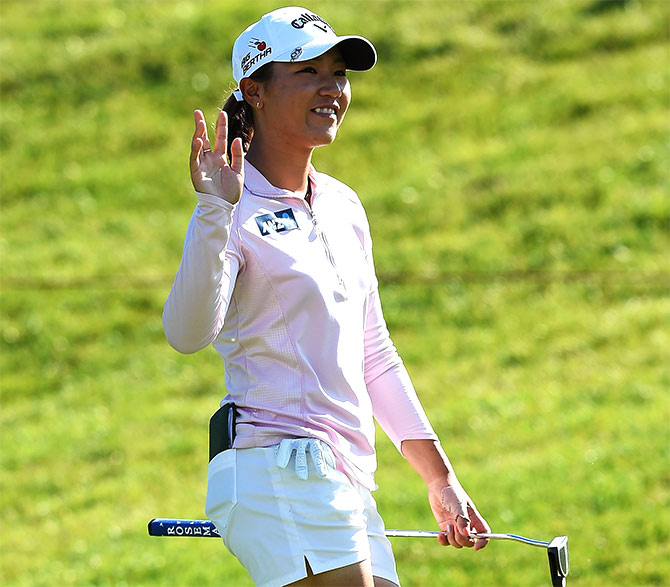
{"x": 295, "y": 34}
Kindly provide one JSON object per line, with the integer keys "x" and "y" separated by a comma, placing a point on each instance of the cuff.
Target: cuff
{"x": 215, "y": 200}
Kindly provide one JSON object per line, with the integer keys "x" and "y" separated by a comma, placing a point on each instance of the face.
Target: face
{"x": 304, "y": 103}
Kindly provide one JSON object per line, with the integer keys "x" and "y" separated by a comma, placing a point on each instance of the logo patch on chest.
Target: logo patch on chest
{"x": 280, "y": 221}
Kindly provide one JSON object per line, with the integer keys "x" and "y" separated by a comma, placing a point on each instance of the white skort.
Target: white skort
{"x": 271, "y": 520}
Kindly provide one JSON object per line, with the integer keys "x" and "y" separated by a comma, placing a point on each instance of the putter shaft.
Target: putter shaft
{"x": 493, "y": 536}
{"x": 515, "y": 537}
{"x": 412, "y": 533}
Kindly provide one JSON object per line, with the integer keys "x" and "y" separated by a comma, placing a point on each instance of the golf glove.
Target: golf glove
{"x": 322, "y": 456}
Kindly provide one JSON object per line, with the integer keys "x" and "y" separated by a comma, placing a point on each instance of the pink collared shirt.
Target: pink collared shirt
{"x": 287, "y": 294}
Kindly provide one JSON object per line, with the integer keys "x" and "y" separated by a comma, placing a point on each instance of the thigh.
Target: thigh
{"x": 356, "y": 574}
{"x": 359, "y": 574}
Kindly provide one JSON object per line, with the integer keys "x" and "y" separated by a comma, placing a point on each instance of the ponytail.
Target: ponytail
{"x": 241, "y": 114}
{"x": 240, "y": 121}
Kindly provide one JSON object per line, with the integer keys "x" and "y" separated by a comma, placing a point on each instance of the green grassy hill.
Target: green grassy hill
{"x": 513, "y": 158}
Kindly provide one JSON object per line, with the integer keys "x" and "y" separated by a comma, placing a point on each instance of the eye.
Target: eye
{"x": 341, "y": 72}
{"x": 308, "y": 69}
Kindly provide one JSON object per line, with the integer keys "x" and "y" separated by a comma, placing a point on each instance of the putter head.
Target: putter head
{"x": 559, "y": 560}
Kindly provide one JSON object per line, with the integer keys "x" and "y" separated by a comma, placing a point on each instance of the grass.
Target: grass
{"x": 513, "y": 160}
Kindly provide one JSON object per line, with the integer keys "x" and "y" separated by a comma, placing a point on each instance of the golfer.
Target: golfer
{"x": 277, "y": 274}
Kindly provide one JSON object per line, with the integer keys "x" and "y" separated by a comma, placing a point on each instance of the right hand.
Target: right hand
{"x": 210, "y": 171}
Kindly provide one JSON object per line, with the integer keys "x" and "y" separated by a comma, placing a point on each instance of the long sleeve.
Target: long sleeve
{"x": 196, "y": 307}
{"x": 395, "y": 403}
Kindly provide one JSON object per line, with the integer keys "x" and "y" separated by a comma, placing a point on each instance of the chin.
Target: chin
{"x": 324, "y": 139}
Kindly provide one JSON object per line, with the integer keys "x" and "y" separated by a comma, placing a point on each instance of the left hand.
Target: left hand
{"x": 456, "y": 516}
{"x": 211, "y": 173}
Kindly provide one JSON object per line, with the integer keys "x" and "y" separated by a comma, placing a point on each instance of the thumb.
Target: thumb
{"x": 463, "y": 525}
{"x": 454, "y": 500}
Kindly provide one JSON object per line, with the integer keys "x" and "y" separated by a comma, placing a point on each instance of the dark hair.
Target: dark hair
{"x": 241, "y": 114}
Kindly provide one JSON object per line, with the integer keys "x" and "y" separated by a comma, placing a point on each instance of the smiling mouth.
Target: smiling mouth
{"x": 326, "y": 111}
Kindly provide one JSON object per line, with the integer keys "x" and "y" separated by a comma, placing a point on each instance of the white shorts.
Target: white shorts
{"x": 271, "y": 520}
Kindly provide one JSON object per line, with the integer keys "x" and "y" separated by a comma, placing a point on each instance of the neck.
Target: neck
{"x": 287, "y": 169}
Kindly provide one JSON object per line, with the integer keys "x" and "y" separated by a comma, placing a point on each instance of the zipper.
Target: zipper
{"x": 326, "y": 246}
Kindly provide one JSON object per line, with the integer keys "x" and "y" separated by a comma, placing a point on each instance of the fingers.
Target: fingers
{"x": 237, "y": 156}
{"x": 479, "y": 525}
{"x": 462, "y": 532}
{"x": 480, "y": 543}
{"x": 196, "y": 146}
{"x": 200, "y": 140}
{"x": 201, "y": 128}
{"x": 462, "y": 526}
{"x": 452, "y": 536}
{"x": 210, "y": 170}
{"x": 464, "y": 517}
{"x": 221, "y": 141}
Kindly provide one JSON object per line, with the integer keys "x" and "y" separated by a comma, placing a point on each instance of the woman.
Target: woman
{"x": 277, "y": 274}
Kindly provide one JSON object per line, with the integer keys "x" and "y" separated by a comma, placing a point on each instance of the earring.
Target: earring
{"x": 258, "y": 104}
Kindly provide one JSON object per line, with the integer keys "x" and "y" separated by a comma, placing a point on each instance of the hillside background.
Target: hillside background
{"x": 513, "y": 158}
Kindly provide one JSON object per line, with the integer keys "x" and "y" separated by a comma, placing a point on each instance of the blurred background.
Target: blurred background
{"x": 513, "y": 158}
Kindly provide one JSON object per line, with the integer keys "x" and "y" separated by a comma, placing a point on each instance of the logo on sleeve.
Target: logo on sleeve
{"x": 281, "y": 221}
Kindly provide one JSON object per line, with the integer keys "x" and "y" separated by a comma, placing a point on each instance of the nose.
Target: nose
{"x": 333, "y": 86}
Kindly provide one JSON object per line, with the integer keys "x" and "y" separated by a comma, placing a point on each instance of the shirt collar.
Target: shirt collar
{"x": 255, "y": 182}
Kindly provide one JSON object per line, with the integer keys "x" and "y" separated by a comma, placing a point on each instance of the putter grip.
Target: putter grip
{"x": 174, "y": 527}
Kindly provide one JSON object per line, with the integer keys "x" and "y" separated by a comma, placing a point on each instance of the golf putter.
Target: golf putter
{"x": 557, "y": 549}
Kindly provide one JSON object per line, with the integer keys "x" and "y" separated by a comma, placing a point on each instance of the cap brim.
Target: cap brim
{"x": 359, "y": 54}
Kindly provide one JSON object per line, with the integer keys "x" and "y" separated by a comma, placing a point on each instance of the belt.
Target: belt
{"x": 222, "y": 429}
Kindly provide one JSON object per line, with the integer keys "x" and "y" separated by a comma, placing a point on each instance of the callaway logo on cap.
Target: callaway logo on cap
{"x": 295, "y": 34}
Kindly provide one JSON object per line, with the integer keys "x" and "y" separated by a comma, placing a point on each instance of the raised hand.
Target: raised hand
{"x": 211, "y": 173}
